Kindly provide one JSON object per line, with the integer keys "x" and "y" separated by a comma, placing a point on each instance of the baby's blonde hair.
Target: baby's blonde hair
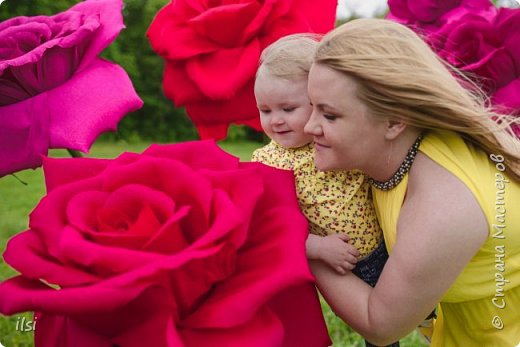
{"x": 290, "y": 57}
{"x": 400, "y": 77}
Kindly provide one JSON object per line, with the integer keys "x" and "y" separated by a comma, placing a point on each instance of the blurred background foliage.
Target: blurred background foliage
{"x": 158, "y": 120}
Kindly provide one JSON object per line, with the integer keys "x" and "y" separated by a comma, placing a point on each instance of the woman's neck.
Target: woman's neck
{"x": 396, "y": 154}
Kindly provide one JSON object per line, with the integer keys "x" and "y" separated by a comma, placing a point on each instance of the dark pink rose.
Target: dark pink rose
{"x": 489, "y": 49}
{"x": 427, "y": 15}
{"x": 179, "y": 246}
{"x": 212, "y": 49}
{"x": 475, "y": 37}
{"x": 54, "y": 90}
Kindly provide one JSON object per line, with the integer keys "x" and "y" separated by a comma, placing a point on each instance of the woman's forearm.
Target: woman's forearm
{"x": 350, "y": 298}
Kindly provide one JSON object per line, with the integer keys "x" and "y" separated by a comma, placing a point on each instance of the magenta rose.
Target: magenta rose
{"x": 54, "y": 90}
{"x": 489, "y": 49}
{"x": 179, "y": 246}
{"x": 428, "y": 15}
{"x": 212, "y": 50}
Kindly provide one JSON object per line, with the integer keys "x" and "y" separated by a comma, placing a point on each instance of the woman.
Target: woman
{"x": 445, "y": 183}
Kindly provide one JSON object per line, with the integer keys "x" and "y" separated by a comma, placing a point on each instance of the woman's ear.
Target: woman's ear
{"x": 393, "y": 128}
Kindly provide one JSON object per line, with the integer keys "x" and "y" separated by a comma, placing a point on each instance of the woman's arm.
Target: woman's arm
{"x": 440, "y": 228}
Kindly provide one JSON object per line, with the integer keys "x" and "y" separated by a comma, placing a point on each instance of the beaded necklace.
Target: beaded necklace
{"x": 405, "y": 166}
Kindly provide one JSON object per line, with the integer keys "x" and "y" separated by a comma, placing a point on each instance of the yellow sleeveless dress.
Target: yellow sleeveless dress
{"x": 482, "y": 307}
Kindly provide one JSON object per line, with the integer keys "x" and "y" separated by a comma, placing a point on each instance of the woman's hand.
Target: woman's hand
{"x": 334, "y": 250}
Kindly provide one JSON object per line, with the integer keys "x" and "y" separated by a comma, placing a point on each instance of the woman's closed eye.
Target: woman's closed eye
{"x": 329, "y": 117}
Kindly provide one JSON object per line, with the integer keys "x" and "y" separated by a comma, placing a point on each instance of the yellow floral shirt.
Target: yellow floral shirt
{"x": 332, "y": 201}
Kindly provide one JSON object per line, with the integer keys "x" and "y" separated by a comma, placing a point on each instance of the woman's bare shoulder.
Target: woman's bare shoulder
{"x": 441, "y": 200}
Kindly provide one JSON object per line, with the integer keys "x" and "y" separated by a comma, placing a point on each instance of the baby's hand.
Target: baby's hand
{"x": 338, "y": 253}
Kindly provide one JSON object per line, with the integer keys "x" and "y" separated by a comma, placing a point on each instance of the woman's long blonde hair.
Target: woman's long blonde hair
{"x": 400, "y": 77}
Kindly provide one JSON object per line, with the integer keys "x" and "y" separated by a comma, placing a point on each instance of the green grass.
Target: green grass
{"x": 17, "y": 199}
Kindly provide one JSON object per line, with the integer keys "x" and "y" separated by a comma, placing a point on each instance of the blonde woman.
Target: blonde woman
{"x": 446, "y": 188}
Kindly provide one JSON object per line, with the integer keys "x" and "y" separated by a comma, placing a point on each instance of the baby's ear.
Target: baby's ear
{"x": 393, "y": 128}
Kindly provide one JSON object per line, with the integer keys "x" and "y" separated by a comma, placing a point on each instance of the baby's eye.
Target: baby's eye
{"x": 265, "y": 111}
{"x": 288, "y": 109}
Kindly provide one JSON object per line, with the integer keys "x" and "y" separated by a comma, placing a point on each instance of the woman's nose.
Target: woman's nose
{"x": 312, "y": 127}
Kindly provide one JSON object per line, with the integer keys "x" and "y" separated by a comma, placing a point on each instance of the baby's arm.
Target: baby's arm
{"x": 334, "y": 250}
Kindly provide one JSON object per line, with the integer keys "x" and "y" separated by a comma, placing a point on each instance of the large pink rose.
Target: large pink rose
{"x": 212, "y": 49}
{"x": 427, "y": 15}
{"x": 54, "y": 90}
{"x": 489, "y": 49}
{"x": 475, "y": 37}
{"x": 179, "y": 246}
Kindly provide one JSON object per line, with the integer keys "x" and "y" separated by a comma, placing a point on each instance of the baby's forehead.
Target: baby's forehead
{"x": 277, "y": 91}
